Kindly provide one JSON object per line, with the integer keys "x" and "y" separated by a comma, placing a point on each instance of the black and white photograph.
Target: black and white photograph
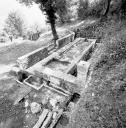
{"x": 62, "y": 63}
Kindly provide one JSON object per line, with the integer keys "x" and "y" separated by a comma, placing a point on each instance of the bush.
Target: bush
{"x": 102, "y": 104}
{"x": 96, "y": 9}
{"x": 86, "y": 10}
{"x": 83, "y": 9}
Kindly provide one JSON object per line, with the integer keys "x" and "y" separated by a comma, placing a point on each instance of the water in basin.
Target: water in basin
{"x": 57, "y": 64}
{"x": 75, "y": 51}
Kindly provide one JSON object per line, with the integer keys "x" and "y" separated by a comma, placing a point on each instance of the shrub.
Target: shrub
{"x": 83, "y": 9}
{"x": 103, "y": 102}
{"x": 96, "y": 9}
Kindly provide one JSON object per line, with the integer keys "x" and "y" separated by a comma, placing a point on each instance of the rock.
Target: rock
{"x": 54, "y": 115}
{"x": 44, "y": 101}
{"x": 35, "y": 107}
{"x": 35, "y": 95}
{"x": 71, "y": 106}
{"x": 53, "y": 102}
{"x": 26, "y": 104}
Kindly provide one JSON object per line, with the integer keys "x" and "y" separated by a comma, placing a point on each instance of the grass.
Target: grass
{"x": 10, "y": 54}
{"x": 103, "y": 103}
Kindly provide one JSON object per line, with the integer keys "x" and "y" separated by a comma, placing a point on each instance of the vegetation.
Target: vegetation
{"x": 83, "y": 9}
{"x": 102, "y": 104}
{"x": 101, "y": 8}
{"x": 14, "y": 24}
{"x": 50, "y": 7}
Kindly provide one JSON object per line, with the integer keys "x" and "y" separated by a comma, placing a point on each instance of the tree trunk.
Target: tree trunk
{"x": 51, "y": 17}
{"x": 54, "y": 32}
{"x": 107, "y": 9}
{"x": 104, "y": 16}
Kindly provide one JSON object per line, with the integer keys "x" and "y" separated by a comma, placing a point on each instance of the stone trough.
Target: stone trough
{"x": 65, "y": 60}
{"x": 32, "y": 58}
{"x": 61, "y": 74}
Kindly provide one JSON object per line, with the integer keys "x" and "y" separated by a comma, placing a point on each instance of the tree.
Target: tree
{"x": 14, "y": 24}
{"x": 50, "y": 7}
{"x": 83, "y": 9}
{"x": 108, "y": 2}
{"x": 63, "y": 11}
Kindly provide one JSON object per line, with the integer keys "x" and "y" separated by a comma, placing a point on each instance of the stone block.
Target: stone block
{"x": 32, "y": 58}
{"x": 35, "y": 107}
{"x": 82, "y": 70}
{"x": 65, "y": 40}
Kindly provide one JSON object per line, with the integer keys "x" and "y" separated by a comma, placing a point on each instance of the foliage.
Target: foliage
{"x": 83, "y": 9}
{"x": 103, "y": 102}
{"x": 50, "y": 7}
{"x": 62, "y": 11}
{"x": 99, "y": 8}
{"x": 14, "y": 24}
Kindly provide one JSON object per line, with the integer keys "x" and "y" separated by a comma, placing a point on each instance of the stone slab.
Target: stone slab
{"x": 82, "y": 70}
{"x": 30, "y": 59}
{"x": 73, "y": 84}
{"x": 73, "y": 64}
{"x": 65, "y": 40}
{"x": 41, "y": 118}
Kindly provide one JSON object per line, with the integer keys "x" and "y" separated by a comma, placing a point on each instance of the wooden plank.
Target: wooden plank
{"x": 41, "y": 118}
{"x": 54, "y": 122}
{"x": 47, "y": 121}
{"x": 21, "y": 93}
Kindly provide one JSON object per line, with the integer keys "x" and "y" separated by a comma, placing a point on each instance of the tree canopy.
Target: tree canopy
{"x": 50, "y": 8}
{"x": 14, "y": 24}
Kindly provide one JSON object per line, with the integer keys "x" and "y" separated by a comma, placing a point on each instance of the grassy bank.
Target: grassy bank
{"x": 103, "y": 103}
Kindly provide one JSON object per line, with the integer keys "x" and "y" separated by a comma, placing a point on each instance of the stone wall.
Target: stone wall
{"x": 34, "y": 57}
{"x": 65, "y": 40}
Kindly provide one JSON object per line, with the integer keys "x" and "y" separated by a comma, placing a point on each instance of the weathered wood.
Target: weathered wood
{"x": 54, "y": 122}
{"x": 47, "y": 121}
{"x": 21, "y": 93}
{"x": 41, "y": 118}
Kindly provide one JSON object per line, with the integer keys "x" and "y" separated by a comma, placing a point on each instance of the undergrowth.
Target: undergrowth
{"x": 103, "y": 103}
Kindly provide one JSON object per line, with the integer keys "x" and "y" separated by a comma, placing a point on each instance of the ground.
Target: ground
{"x": 102, "y": 104}
{"x": 13, "y": 116}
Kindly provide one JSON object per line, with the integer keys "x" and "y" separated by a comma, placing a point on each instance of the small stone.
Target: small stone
{"x": 53, "y": 102}
{"x": 54, "y": 115}
{"x": 35, "y": 107}
{"x": 44, "y": 101}
{"x": 27, "y": 96}
{"x": 26, "y": 110}
{"x": 93, "y": 94}
{"x": 26, "y": 104}
{"x": 35, "y": 95}
{"x": 71, "y": 106}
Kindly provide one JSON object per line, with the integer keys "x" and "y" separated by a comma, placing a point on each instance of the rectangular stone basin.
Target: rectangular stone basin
{"x": 57, "y": 64}
{"x": 66, "y": 58}
{"x": 75, "y": 51}
{"x": 34, "y": 82}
